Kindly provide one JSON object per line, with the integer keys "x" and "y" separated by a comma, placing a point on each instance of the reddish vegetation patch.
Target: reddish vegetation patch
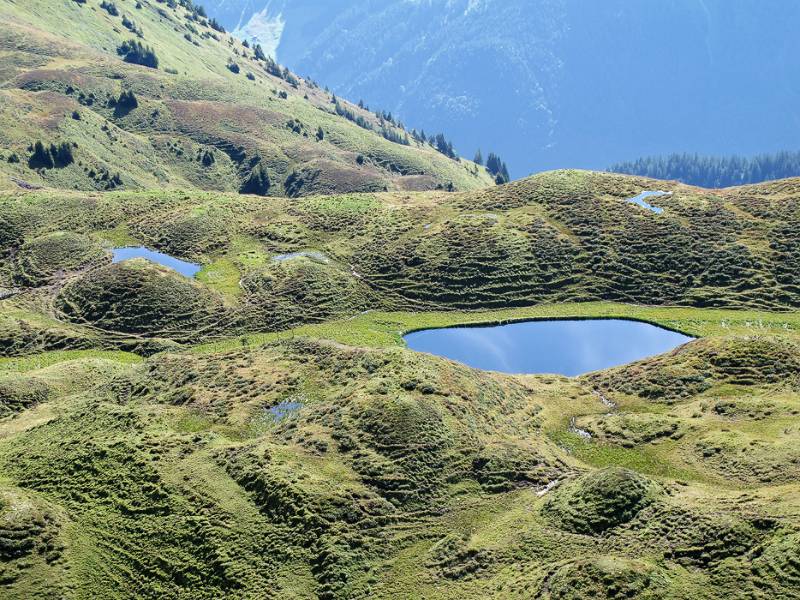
{"x": 76, "y": 79}
{"x": 218, "y": 116}
{"x": 328, "y": 177}
{"x": 417, "y": 183}
{"x": 44, "y": 109}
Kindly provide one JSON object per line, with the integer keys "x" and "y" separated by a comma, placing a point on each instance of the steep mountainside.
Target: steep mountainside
{"x": 204, "y": 111}
{"x": 557, "y": 83}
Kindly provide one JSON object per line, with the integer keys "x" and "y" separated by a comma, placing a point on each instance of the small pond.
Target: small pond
{"x": 565, "y": 347}
{"x": 181, "y": 266}
{"x": 641, "y": 200}
{"x": 284, "y": 409}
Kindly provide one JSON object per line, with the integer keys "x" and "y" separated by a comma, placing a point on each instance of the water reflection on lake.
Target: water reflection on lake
{"x": 566, "y": 347}
{"x": 181, "y": 266}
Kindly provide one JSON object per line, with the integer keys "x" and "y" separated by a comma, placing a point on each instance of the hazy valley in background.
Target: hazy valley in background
{"x": 551, "y": 83}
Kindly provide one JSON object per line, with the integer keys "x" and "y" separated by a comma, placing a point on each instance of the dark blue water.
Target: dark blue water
{"x": 181, "y": 266}
{"x": 640, "y": 200}
{"x": 569, "y": 347}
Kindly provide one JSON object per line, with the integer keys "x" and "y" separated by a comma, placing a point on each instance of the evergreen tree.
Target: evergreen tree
{"x": 478, "y": 160}
{"x": 41, "y": 157}
{"x": 444, "y": 146}
{"x": 714, "y": 171}
{"x": 110, "y": 7}
{"x": 127, "y": 100}
{"x": 257, "y": 181}
{"x": 62, "y": 154}
{"x": 505, "y": 174}
{"x": 497, "y": 168}
{"x": 493, "y": 164}
{"x": 135, "y": 52}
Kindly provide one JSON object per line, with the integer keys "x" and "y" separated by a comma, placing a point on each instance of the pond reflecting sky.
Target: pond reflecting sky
{"x": 569, "y": 347}
{"x": 181, "y": 266}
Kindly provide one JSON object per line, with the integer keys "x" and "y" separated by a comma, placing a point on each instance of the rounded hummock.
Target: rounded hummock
{"x": 600, "y": 500}
{"x": 43, "y": 259}
{"x": 139, "y": 297}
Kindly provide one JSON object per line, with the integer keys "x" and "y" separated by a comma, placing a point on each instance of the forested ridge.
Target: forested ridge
{"x": 714, "y": 171}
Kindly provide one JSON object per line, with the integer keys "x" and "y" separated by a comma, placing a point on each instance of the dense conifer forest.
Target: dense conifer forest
{"x": 714, "y": 171}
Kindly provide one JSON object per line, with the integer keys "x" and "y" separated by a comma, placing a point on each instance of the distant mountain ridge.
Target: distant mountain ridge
{"x": 557, "y": 83}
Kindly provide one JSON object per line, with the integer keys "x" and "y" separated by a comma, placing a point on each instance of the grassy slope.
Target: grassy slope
{"x": 335, "y": 499}
{"x": 199, "y": 105}
{"x": 400, "y": 475}
{"x": 564, "y": 236}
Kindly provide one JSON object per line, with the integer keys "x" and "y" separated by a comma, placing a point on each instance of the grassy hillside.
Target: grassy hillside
{"x": 208, "y": 117}
{"x": 261, "y": 430}
{"x": 313, "y": 469}
{"x": 560, "y": 236}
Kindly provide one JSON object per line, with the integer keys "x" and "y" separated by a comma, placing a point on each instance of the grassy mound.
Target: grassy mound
{"x": 777, "y": 569}
{"x": 302, "y": 290}
{"x": 750, "y": 457}
{"x": 772, "y": 571}
{"x": 30, "y": 547}
{"x": 756, "y": 409}
{"x": 441, "y": 250}
{"x": 696, "y": 367}
{"x": 21, "y": 335}
{"x": 139, "y": 297}
{"x": 603, "y": 577}
{"x": 187, "y": 235}
{"x": 630, "y": 430}
{"x": 688, "y": 535}
{"x": 600, "y": 500}
{"x": 324, "y": 177}
{"x": 18, "y": 393}
{"x": 571, "y": 234}
{"x": 316, "y": 469}
{"x": 405, "y": 424}
{"x": 45, "y": 258}
{"x": 112, "y": 485}
{"x": 472, "y": 260}
{"x": 11, "y": 237}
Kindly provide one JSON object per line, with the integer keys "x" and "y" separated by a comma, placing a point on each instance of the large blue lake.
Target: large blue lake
{"x": 181, "y": 266}
{"x": 566, "y": 347}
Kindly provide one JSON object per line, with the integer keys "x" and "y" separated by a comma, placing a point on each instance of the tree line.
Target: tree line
{"x": 714, "y": 171}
